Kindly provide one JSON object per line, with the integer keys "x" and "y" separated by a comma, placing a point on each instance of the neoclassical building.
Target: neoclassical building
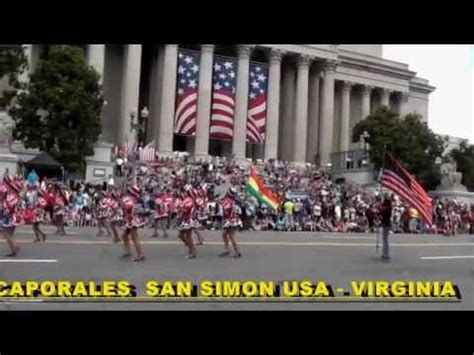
{"x": 315, "y": 95}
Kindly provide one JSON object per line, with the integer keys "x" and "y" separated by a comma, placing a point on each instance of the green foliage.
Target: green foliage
{"x": 464, "y": 157}
{"x": 13, "y": 62}
{"x": 408, "y": 138}
{"x": 60, "y": 111}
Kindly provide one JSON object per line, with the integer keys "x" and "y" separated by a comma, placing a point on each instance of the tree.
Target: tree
{"x": 12, "y": 64}
{"x": 464, "y": 158}
{"x": 408, "y": 138}
{"x": 60, "y": 111}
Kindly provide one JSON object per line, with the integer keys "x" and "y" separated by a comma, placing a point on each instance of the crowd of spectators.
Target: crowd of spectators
{"x": 309, "y": 199}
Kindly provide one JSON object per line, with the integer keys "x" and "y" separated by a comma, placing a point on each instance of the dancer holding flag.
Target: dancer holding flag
{"x": 256, "y": 187}
{"x": 398, "y": 180}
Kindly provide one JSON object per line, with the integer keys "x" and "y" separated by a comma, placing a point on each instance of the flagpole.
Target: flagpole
{"x": 380, "y": 189}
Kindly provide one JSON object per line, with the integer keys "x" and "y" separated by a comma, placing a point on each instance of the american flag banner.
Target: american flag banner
{"x": 223, "y": 98}
{"x": 148, "y": 152}
{"x": 257, "y": 108}
{"x": 187, "y": 92}
{"x": 397, "y": 179}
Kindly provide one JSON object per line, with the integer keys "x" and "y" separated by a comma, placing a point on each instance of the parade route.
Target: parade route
{"x": 337, "y": 259}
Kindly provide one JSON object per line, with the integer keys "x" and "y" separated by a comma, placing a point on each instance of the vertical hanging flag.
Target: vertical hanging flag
{"x": 257, "y": 108}
{"x": 148, "y": 152}
{"x": 223, "y": 98}
{"x": 187, "y": 92}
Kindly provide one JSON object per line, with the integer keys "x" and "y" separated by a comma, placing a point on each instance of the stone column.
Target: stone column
{"x": 344, "y": 138}
{"x": 167, "y": 102}
{"x": 385, "y": 98}
{"x": 132, "y": 58}
{"x": 287, "y": 112}
{"x": 301, "y": 123}
{"x": 313, "y": 114}
{"x": 241, "y": 102}
{"x": 403, "y": 104}
{"x": 273, "y": 108}
{"x": 96, "y": 58}
{"x": 366, "y": 91}
{"x": 201, "y": 145}
{"x": 28, "y": 50}
{"x": 327, "y": 114}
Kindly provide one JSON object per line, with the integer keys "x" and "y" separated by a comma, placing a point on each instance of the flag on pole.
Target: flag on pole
{"x": 397, "y": 179}
{"x": 224, "y": 82}
{"x": 256, "y": 187}
{"x": 148, "y": 152}
{"x": 187, "y": 93}
{"x": 257, "y": 106}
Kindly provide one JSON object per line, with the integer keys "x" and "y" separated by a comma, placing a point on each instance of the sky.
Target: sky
{"x": 450, "y": 68}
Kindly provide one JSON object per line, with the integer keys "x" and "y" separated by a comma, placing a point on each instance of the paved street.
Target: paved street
{"x": 335, "y": 258}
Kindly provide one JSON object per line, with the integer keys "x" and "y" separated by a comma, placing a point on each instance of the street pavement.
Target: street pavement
{"x": 335, "y": 258}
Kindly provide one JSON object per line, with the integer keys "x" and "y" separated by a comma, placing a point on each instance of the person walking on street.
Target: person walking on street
{"x": 386, "y": 214}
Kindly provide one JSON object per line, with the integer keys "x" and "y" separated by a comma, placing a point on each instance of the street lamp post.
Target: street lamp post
{"x": 365, "y": 137}
{"x": 141, "y": 124}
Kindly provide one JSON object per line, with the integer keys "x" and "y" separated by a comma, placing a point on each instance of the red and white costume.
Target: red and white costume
{"x": 130, "y": 205}
{"x": 201, "y": 203}
{"x": 231, "y": 217}
{"x": 40, "y": 205}
{"x": 103, "y": 210}
{"x": 187, "y": 209}
{"x": 177, "y": 204}
{"x": 115, "y": 210}
{"x": 200, "y": 200}
{"x": 10, "y": 206}
{"x": 168, "y": 200}
{"x": 60, "y": 203}
{"x": 161, "y": 208}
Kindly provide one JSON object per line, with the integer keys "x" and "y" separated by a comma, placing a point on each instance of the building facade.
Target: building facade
{"x": 315, "y": 95}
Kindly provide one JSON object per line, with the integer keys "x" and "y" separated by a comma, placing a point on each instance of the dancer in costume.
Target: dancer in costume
{"x": 10, "y": 218}
{"x": 133, "y": 220}
{"x": 186, "y": 214}
{"x": 231, "y": 223}
{"x": 115, "y": 214}
{"x": 39, "y": 214}
{"x": 160, "y": 215}
{"x": 200, "y": 220}
{"x": 59, "y": 209}
{"x": 103, "y": 214}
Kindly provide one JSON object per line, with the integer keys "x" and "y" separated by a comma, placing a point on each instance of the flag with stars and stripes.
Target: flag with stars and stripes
{"x": 257, "y": 107}
{"x": 187, "y": 92}
{"x": 223, "y": 98}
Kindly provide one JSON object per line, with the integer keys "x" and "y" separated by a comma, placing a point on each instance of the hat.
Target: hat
{"x": 232, "y": 191}
{"x": 134, "y": 191}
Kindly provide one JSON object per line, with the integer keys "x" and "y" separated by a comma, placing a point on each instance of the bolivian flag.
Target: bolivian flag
{"x": 257, "y": 189}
